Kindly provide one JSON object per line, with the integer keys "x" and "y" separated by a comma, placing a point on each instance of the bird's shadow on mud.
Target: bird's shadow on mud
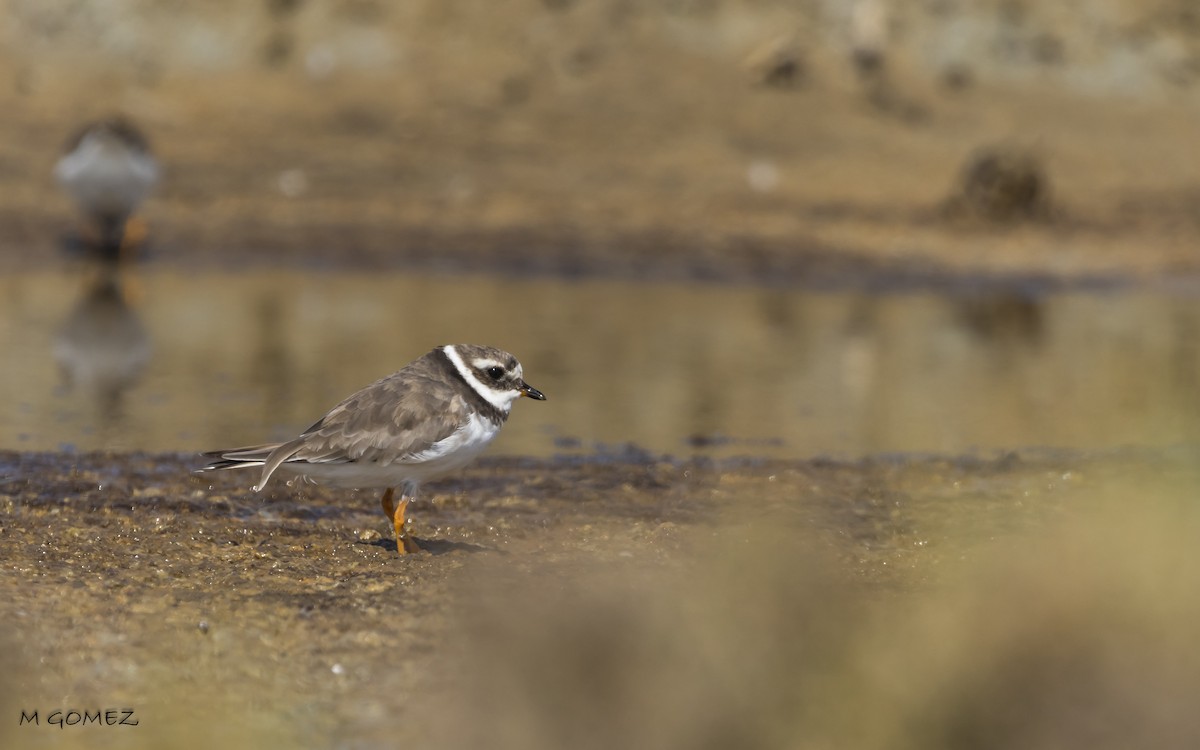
{"x": 435, "y": 546}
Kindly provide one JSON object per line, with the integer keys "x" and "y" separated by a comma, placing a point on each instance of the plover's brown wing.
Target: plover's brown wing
{"x": 392, "y": 421}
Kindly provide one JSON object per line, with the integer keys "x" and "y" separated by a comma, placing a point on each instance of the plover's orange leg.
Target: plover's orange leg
{"x": 395, "y": 513}
{"x": 404, "y": 543}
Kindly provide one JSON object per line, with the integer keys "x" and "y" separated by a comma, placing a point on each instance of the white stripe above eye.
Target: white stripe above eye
{"x": 499, "y": 399}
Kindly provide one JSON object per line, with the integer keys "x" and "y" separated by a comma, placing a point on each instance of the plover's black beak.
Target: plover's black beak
{"x": 533, "y": 393}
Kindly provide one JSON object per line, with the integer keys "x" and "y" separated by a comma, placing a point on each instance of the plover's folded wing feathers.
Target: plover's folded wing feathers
{"x": 386, "y": 423}
{"x": 393, "y": 421}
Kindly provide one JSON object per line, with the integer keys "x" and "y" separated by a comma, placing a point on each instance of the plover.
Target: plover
{"x": 424, "y": 421}
{"x": 108, "y": 170}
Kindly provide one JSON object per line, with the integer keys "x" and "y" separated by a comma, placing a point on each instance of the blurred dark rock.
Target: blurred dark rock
{"x": 1001, "y": 184}
{"x": 777, "y": 63}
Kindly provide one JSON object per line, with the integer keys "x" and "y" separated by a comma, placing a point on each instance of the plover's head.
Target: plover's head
{"x": 495, "y": 374}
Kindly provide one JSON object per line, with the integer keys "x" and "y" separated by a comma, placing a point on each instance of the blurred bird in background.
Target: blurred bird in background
{"x": 108, "y": 170}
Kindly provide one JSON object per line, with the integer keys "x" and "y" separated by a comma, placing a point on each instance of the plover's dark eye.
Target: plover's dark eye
{"x": 495, "y": 373}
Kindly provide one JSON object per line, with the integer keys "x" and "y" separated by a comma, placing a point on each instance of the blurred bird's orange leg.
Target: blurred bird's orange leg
{"x": 132, "y": 237}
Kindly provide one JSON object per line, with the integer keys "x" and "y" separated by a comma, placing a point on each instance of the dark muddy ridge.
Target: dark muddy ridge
{"x": 798, "y": 263}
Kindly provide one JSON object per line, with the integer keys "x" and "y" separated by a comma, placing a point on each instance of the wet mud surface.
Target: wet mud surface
{"x": 130, "y": 580}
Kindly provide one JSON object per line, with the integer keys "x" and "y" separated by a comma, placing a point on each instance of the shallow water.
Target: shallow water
{"x": 173, "y": 360}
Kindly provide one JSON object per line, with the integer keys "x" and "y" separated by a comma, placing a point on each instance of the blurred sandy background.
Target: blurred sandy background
{"x": 678, "y": 137}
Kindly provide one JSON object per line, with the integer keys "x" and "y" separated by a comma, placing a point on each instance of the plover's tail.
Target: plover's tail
{"x": 269, "y": 456}
{"x": 254, "y": 455}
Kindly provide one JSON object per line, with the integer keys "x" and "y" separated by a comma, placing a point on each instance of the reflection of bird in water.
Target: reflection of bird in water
{"x": 102, "y": 346}
{"x": 108, "y": 170}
